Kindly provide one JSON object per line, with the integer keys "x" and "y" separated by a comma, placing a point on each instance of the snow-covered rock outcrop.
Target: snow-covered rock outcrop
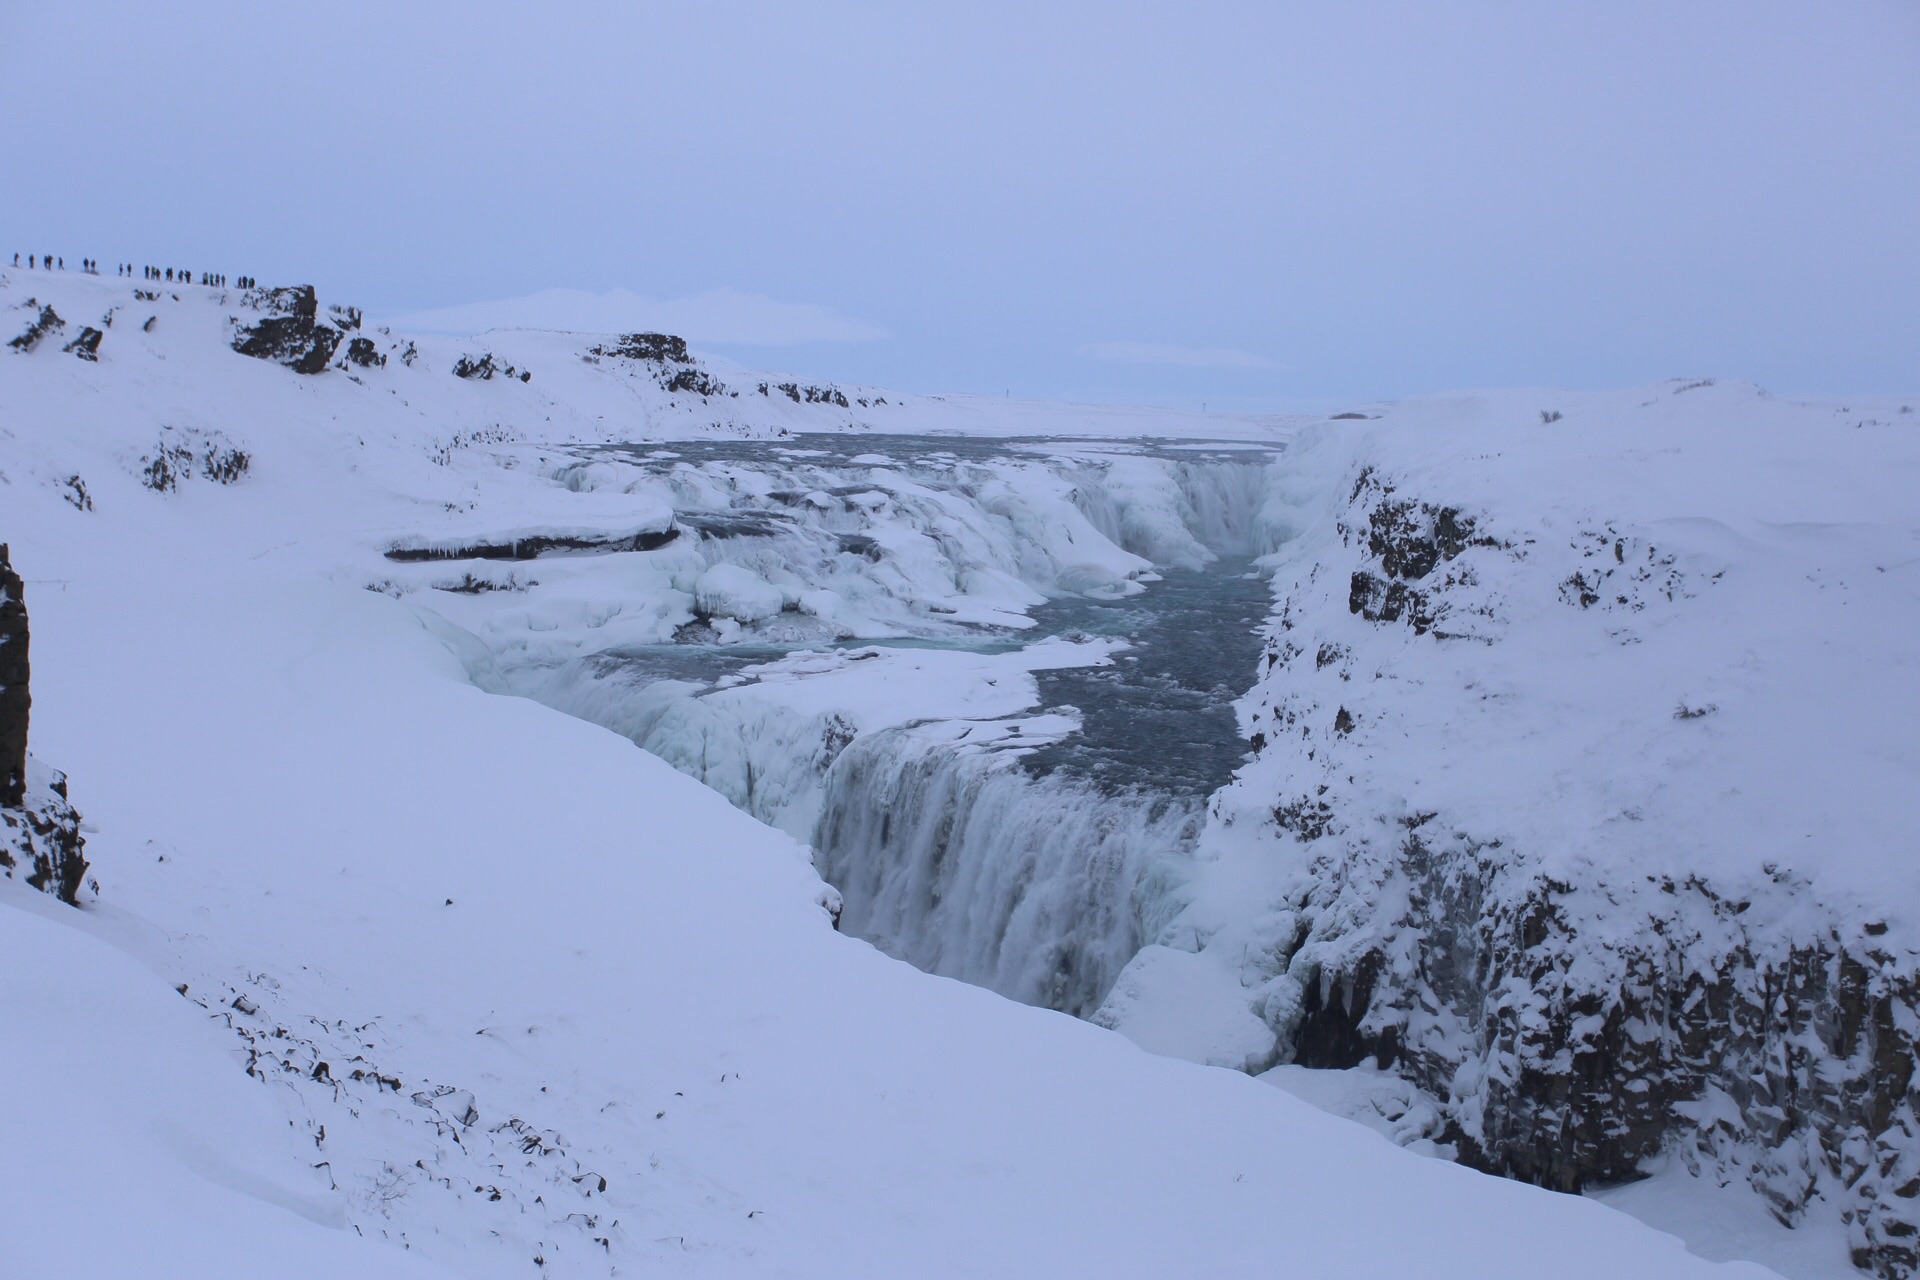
{"x": 291, "y": 331}
{"x": 40, "y": 840}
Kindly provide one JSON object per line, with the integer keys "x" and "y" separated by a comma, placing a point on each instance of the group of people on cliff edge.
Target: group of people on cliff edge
{"x": 167, "y": 275}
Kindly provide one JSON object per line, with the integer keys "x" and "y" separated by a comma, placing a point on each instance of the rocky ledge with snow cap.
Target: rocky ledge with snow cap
{"x": 40, "y": 839}
{"x": 291, "y": 333}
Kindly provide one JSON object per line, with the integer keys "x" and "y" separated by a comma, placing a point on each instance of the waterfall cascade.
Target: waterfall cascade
{"x": 1038, "y": 888}
{"x": 1032, "y": 866}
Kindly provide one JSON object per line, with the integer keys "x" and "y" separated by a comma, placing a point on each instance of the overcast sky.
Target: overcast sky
{"x": 1256, "y": 205}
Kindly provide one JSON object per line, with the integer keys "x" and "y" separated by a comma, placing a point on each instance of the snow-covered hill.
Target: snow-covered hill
{"x": 384, "y": 964}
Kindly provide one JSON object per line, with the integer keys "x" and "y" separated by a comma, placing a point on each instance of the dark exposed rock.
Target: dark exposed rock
{"x": 1330, "y": 1033}
{"x": 697, "y": 632}
{"x": 1381, "y": 601}
{"x": 224, "y": 464}
{"x": 1406, "y": 543}
{"x": 15, "y": 700}
{"x": 291, "y": 334}
{"x": 46, "y": 322}
{"x": 40, "y": 838}
{"x": 1308, "y": 817}
{"x": 484, "y": 366}
{"x": 87, "y": 345}
{"x": 661, "y": 348}
{"x": 469, "y": 585}
{"x": 808, "y": 395}
{"x": 39, "y": 830}
{"x": 532, "y": 547}
{"x": 182, "y": 454}
{"x": 1411, "y": 539}
{"x": 1578, "y": 590}
{"x": 362, "y": 352}
{"x": 161, "y": 471}
{"x": 665, "y": 350}
{"x": 694, "y": 381}
{"x": 1623, "y": 574}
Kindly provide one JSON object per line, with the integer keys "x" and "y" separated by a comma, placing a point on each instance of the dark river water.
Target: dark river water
{"x": 1161, "y": 717}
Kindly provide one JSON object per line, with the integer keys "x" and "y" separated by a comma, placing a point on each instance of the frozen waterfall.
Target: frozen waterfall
{"x": 1032, "y": 863}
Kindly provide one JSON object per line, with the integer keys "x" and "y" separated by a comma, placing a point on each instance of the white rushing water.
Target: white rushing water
{"x": 965, "y": 865}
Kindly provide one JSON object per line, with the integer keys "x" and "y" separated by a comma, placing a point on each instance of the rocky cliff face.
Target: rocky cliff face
{"x": 1572, "y": 1014}
{"x": 292, "y": 333}
{"x": 1567, "y": 1060}
{"x": 40, "y": 840}
{"x": 43, "y": 321}
{"x": 39, "y": 831}
{"x": 15, "y": 699}
{"x": 677, "y": 371}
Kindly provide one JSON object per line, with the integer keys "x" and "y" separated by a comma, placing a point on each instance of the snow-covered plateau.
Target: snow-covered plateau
{"x": 1528, "y": 776}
